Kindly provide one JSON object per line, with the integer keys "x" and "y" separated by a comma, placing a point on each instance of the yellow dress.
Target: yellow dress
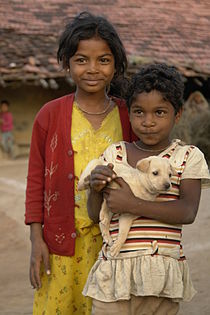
{"x": 61, "y": 292}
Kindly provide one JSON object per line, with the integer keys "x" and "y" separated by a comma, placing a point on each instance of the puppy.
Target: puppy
{"x": 151, "y": 176}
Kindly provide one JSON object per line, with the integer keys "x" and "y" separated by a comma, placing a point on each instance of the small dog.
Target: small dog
{"x": 151, "y": 176}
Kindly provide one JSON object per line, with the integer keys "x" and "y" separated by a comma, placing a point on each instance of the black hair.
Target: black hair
{"x": 5, "y": 102}
{"x": 85, "y": 26}
{"x": 160, "y": 77}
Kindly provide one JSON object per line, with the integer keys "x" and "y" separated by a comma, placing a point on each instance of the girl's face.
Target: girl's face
{"x": 92, "y": 67}
{"x": 152, "y": 119}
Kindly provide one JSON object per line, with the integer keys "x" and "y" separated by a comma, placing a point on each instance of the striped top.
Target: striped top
{"x": 147, "y": 234}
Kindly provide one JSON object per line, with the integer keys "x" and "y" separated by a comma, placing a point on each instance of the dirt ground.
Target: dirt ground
{"x": 16, "y": 295}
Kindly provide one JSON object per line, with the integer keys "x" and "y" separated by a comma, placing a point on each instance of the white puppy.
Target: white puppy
{"x": 151, "y": 176}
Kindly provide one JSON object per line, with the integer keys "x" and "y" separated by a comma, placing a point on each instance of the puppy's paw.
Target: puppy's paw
{"x": 105, "y": 221}
{"x": 105, "y": 234}
{"x": 108, "y": 240}
{"x": 115, "y": 248}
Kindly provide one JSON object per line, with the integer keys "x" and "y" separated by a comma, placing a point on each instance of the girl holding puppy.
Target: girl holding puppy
{"x": 150, "y": 275}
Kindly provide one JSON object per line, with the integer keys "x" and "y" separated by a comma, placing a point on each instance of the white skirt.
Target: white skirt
{"x": 145, "y": 275}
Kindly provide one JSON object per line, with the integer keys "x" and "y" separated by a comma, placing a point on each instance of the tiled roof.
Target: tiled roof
{"x": 174, "y": 31}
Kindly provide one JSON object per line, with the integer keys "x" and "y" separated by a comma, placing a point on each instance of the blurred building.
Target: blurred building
{"x": 173, "y": 31}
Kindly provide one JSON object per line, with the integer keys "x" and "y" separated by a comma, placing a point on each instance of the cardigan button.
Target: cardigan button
{"x": 70, "y": 152}
{"x": 70, "y": 176}
{"x": 73, "y": 235}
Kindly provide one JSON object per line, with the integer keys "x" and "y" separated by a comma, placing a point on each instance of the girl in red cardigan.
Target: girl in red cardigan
{"x": 69, "y": 132}
{"x": 6, "y": 127}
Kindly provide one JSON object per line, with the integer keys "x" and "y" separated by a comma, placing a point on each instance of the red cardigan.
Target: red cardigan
{"x": 50, "y": 181}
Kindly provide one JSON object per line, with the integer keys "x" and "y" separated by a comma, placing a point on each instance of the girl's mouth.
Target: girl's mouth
{"x": 92, "y": 82}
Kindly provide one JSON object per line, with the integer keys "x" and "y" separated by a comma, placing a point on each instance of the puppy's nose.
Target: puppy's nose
{"x": 167, "y": 186}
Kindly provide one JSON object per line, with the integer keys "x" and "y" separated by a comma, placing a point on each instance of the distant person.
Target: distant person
{"x": 6, "y": 127}
{"x": 196, "y": 104}
{"x": 69, "y": 132}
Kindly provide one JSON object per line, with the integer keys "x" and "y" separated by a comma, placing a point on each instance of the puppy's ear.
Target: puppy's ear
{"x": 143, "y": 165}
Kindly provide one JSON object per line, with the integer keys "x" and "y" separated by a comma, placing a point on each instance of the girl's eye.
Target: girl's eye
{"x": 160, "y": 112}
{"x": 138, "y": 112}
{"x": 81, "y": 60}
{"x": 104, "y": 60}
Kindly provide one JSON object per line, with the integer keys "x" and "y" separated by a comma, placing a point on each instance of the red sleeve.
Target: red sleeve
{"x": 35, "y": 179}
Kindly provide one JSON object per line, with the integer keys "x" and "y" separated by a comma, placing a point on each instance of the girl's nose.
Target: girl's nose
{"x": 148, "y": 121}
{"x": 93, "y": 67}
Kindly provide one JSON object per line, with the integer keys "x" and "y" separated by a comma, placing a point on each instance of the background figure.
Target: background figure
{"x": 196, "y": 103}
{"x": 6, "y": 126}
{"x": 194, "y": 125}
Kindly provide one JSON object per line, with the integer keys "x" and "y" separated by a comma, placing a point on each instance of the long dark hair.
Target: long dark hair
{"x": 85, "y": 26}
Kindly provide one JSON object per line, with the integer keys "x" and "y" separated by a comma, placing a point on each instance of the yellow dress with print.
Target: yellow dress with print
{"x": 61, "y": 291}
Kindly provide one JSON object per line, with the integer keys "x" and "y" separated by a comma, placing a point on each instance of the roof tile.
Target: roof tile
{"x": 170, "y": 30}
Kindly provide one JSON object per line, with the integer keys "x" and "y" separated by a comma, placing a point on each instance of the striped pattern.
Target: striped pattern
{"x": 147, "y": 233}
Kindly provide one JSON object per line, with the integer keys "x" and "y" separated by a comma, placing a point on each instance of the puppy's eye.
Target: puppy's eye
{"x": 170, "y": 175}
{"x": 155, "y": 173}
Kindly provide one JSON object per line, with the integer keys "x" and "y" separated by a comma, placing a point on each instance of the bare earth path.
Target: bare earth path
{"x": 16, "y": 294}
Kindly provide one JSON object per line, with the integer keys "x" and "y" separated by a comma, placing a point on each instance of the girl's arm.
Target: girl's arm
{"x": 34, "y": 204}
{"x": 181, "y": 211}
{"x": 94, "y": 205}
{"x": 36, "y": 176}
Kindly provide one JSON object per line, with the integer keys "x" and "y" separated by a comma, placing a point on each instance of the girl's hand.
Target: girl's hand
{"x": 100, "y": 176}
{"x": 39, "y": 254}
{"x": 122, "y": 199}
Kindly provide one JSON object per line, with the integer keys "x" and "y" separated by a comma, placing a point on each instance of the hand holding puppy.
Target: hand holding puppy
{"x": 99, "y": 177}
